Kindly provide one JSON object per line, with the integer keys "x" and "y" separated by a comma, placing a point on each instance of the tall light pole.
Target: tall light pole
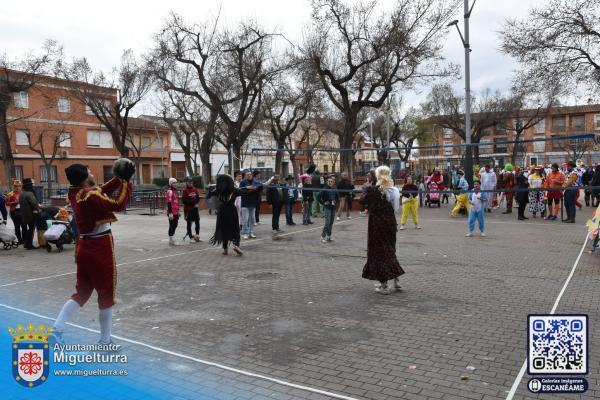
{"x": 467, "y": 46}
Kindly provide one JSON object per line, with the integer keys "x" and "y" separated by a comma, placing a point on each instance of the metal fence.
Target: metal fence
{"x": 151, "y": 199}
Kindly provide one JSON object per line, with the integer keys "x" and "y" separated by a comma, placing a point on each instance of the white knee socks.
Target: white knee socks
{"x": 105, "y": 325}
{"x": 68, "y": 309}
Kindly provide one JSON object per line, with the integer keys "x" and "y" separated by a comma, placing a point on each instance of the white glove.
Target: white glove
{"x": 170, "y": 217}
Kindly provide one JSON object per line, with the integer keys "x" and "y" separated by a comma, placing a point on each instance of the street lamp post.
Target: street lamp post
{"x": 467, "y": 46}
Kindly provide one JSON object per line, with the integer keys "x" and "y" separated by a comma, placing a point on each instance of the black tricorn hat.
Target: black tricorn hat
{"x": 76, "y": 174}
{"x": 27, "y": 181}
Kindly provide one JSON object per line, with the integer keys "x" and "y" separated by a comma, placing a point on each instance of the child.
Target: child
{"x": 328, "y": 199}
{"x": 307, "y": 199}
{"x": 477, "y": 200}
{"x": 291, "y": 196}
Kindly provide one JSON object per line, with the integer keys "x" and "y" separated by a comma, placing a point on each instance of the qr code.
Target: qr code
{"x": 557, "y": 344}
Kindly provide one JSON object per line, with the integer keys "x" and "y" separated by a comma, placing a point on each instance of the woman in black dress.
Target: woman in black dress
{"x": 382, "y": 200}
{"x": 522, "y": 196}
{"x": 228, "y": 225}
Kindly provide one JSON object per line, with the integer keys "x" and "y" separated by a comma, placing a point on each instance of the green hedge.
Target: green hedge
{"x": 161, "y": 182}
{"x": 164, "y": 182}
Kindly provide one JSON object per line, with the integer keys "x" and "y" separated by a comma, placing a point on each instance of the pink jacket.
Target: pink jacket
{"x": 173, "y": 200}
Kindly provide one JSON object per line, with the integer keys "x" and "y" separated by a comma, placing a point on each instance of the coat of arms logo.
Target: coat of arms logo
{"x": 30, "y": 354}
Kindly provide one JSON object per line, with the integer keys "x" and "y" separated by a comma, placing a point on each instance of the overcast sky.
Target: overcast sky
{"x": 101, "y": 30}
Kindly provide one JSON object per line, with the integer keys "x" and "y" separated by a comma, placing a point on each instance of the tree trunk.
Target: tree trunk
{"x": 48, "y": 168}
{"x": 5, "y": 147}
{"x": 237, "y": 156}
{"x": 346, "y": 141}
{"x": 188, "y": 163}
{"x": 138, "y": 170}
{"x": 293, "y": 162}
{"x": 206, "y": 173}
{"x": 279, "y": 155}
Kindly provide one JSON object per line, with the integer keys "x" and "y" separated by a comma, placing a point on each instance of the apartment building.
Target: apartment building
{"x": 50, "y": 121}
{"x": 554, "y": 144}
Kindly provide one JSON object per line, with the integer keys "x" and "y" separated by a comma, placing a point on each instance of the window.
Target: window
{"x": 44, "y": 174}
{"x": 539, "y": 147}
{"x": 448, "y": 133}
{"x": 159, "y": 171}
{"x": 325, "y": 168}
{"x": 65, "y": 140}
{"x": 500, "y": 146}
{"x": 106, "y": 105}
{"x": 19, "y": 172}
{"x": 21, "y": 136}
{"x": 21, "y": 100}
{"x": 558, "y": 124}
{"x": 107, "y": 172}
{"x": 99, "y": 139}
{"x": 64, "y": 105}
{"x": 597, "y": 122}
{"x": 486, "y": 146}
{"x": 518, "y": 123}
{"x": 260, "y": 164}
{"x": 145, "y": 142}
{"x": 540, "y": 127}
{"x": 578, "y": 122}
{"x": 174, "y": 143}
{"x": 448, "y": 150}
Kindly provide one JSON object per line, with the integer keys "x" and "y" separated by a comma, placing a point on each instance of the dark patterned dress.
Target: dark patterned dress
{"x": 382, "y": 264}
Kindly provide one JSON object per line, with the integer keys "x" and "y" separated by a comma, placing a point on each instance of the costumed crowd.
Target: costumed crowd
{"x": 546, "y": 192}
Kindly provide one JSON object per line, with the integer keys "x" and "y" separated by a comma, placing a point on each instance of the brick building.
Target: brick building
{"x": 560, "y": 123}
{"x": 50, "y": 114}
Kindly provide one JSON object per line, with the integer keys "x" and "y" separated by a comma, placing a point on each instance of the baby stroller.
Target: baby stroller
{"x": 60, "y": 232}
{"x": 7, "y": 238}
{"x": 433, "y": 198}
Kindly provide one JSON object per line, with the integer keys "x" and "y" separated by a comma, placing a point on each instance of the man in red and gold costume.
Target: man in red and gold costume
{"x": 94, "y": 209}
{"x": 508, "y": 183}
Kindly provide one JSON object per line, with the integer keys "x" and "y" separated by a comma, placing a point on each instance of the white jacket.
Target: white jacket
{"x": 488, "y": 180}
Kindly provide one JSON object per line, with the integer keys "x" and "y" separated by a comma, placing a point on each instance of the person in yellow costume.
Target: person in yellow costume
{"x": 462, "y": 200}
{"x": 410, "y": 203}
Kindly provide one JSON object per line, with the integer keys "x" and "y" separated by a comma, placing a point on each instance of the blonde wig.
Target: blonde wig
{"x": 384, "y": 180}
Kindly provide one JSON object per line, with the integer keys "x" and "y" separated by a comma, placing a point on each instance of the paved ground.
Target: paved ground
{"x": 297, "y": 313}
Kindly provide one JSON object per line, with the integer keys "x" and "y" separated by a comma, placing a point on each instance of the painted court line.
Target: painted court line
{"x": 169, "y": 255}
{"x": 503, "y": 222}
{"x": 197, "y": 360}
{"x": 519, "y": 377}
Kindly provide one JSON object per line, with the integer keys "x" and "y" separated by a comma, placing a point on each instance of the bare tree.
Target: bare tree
{"x": 16, "y": 76}
{"x": 285, "y": 106}
{"x": 194, "y": 127}
{"x": 310, "y": 138}
{"x": 130, "y": 80}
{"x": 406, "y": 131}
{"x": 360, "y": 58}
{"x": 560, "y": 39}
{"x": 575, "y": 148}
{"x": 46, "y": 143}
{"x": 524, "y": 108}
{"x": 230, "y": 69}
{"x": 137, "y": 144}
{"x": 446, "y": 110}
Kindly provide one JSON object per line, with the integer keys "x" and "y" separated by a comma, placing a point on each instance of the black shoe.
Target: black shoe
{"x": 525, "y": 218}
{"x": 569, "y": 221}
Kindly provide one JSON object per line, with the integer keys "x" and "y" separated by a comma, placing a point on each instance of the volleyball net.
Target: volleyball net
{"x": 420, "y": 161}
